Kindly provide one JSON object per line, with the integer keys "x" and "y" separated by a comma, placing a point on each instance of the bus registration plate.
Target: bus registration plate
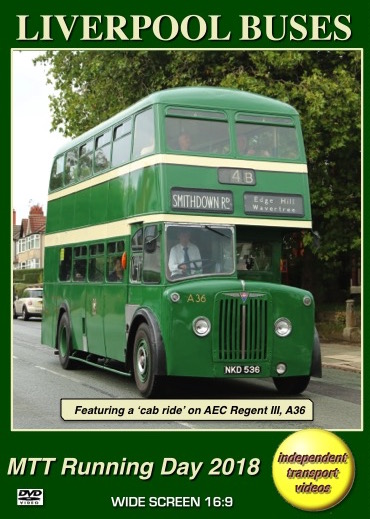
{"x": 242, "y": 370}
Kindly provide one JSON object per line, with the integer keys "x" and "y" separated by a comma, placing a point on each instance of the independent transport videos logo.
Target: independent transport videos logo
{"x": 30, "y": 496}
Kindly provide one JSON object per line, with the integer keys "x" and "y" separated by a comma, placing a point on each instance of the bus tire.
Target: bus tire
{"x": 147, "y": 381}
{"x": 291, "y": 385}
{"x": 64, "y": 343}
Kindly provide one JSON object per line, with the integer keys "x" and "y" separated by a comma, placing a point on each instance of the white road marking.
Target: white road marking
{"x": 58, "y": 374}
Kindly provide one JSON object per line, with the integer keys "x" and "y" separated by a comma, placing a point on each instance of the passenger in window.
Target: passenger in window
{"x": 243, "y": 147}
{"x": 185, "y": 258}
{"x": 184, "y": 141}
{"x": 116, "y": 274}
{"x": 79, "y": 270}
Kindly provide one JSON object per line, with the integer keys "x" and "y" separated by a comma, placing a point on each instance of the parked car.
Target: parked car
{"x": 29, "y": 304}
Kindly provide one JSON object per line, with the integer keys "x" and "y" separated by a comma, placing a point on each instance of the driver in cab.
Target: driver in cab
{"x": 185, "y": 258}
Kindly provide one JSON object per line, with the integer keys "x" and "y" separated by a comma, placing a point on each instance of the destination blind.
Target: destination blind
{"x": 272, "y": 204}
{"x": 204, "y": 201}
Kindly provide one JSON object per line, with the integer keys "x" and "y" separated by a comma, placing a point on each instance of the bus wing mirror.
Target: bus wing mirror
{"x": 150, "y": 244}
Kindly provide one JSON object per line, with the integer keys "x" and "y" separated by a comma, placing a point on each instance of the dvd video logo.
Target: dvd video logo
{"x": 30, "y": 496}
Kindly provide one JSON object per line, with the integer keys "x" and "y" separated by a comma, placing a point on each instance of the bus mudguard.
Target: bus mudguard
{"x": 63, "y": 308}
{"x": 145, "y": 315}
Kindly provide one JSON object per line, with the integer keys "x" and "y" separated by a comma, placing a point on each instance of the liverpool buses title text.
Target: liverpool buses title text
{"x": 193, "y": 27}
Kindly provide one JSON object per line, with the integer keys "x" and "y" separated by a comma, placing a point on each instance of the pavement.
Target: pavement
{"x": 341, "y": 355}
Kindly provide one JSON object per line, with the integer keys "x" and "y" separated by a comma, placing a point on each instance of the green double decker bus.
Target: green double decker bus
{"x": 164, "y": 240}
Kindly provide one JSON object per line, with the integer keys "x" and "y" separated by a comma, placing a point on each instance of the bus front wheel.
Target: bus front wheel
{"x": 291, "y": 385}
{"x": 65, "y": 343}
{"x": 146, "y": 380}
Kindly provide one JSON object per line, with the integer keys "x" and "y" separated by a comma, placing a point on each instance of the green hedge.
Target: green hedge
{"x": 18, "y": 289}
{"x": 28, "y": 276}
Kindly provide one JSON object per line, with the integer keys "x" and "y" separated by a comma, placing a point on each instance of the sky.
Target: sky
{"x": 33, "y": 145}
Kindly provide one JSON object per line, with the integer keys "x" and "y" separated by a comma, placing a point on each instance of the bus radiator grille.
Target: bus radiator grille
{"x": 242, "y": 330}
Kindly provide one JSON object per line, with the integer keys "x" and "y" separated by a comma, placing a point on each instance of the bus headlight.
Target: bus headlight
{"x": 201, "y": 326}
{"x": 307, "y": 301}
{"x": 283, "y": 327}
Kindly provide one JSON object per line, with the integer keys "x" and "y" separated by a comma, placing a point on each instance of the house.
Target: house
{"x": 16, "y": 234}
{"x": 29, "y": 240}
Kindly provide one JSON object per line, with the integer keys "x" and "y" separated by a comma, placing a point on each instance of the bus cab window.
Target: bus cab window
{"x": 136, "y": 267}
{"x": 255, "y": 256}
{"x": 199, "y": 251}
{"x": 137, "y": 241}
{"x": 152, "y": 255}
{"x": 137, "y": 256}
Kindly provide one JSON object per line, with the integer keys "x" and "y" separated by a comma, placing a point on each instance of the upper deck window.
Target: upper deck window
{"x": 71, "y": 165}
{"x": 197, "y": 131}
{"x": 56, "y": 178}
{"x": 266, "y": 136}
{"x": 143, "y": 134}
{"x": 121, "y": 143}
{"x": 85, "y": 159}
{"x": 265, "y": 119}
{"x": 200, "y": 114}
{"x": 102, "y": 151}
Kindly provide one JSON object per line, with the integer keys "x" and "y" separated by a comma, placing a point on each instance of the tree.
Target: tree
{"x": 324, "y": 86}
